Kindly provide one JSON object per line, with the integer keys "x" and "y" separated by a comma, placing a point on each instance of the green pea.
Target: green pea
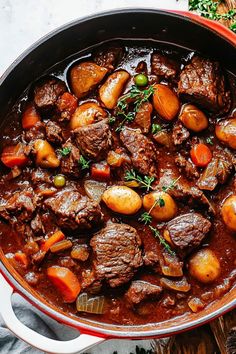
{"x": 141, "y": 80}
{"x": 59, "y": 181}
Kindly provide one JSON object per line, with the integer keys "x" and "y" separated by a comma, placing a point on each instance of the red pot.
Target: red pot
{"x": 181, "y": 28}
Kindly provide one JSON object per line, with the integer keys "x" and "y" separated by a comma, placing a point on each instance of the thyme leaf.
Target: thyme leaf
{"x": 84, "y": 163}
{"x": 144, "y": 182}
{"x": 161, "y": 239}
{"x": 65, "y": 151}
{"x": 135, "y": 96}
{"x": 156, "y": 128}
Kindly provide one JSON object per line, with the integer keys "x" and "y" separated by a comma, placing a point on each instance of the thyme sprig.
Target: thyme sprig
{"x": 209, "y": 8}
{"x": 135, "y": 96}
{"x": 65, "y": 151}
{"x": 144, "y": 182}
{"x": 146, "y": 217}
{"x": 84, "y": 163}
{"x": 161, "y": 239}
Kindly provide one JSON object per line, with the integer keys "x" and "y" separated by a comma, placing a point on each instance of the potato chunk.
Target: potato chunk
{"x": 86, "y": 114}
{"x": 204, "y": 266}
{"x": 111, "y": 90}
{"x": 85, "y": 76}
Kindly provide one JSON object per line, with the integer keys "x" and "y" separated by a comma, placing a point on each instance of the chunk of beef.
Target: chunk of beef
{"x": 187, "y": 167}
{"x": 117, "y": 253}
{"x": 36, "y": 132}
{"x": 185, "y": 190}
{"x": 70, "y": 162}
{"x": 202, "y": 82}
{"x": 94, "y": 140}
{"x": 142, "y": 150}
{"x": 74, "y": 211}
{"x": 217, "y": 171}
{"x": 187, "y": 232}
{"x": 164, "y": 262}
{"x": 179, "y": 134}
{"x": 19, "y": 207}
{"x": 36, "y": 225}
{"x": 143, "y": 117}
{"x": 53, "y": 132}
{"x": 47, "y": 91}
{"x": 40, "y": 176}
{"x": 142, "y": 290}
{"x": 109, "y": 57}
{"x": 164, "y": 66}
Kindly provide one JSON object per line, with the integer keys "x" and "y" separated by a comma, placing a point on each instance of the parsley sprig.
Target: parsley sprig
{"x": 146, "y": 217}
{"x": 144, "y": 182}
{"x": 84, "y": 163}
{"x": 65, "y": 151}
{"x": 135, "y": 96}
{"x": 209, "y": 8}
{"x": 161, "y": 239}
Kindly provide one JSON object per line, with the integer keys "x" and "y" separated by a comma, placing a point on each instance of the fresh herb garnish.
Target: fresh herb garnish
{"x": 65, "y": 151}
{"x": 144, "y": 182}
{"x": 156, "y": 128}
{"x": 111, "y": 120}
{"x": 209, "y": 141}
{"x": 135, "y": 96}
{"x": 209, "y": 9}
{"x": 146, "y": 217}
{"x": 161, "y": 240}
{"x": 84, "y": 163}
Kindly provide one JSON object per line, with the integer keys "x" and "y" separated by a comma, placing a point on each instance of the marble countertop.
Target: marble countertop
{"x": 24, "y": 22}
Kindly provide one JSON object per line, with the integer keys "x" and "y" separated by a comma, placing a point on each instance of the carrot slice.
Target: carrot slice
{"x": 201, "y": 155}
{"x": 56, "y": 237}
{"x": 67, "y": 102}
{"x": 21, "y": 258}
{"x": 13, "y": 155}
{"x": 65, "y": 281}
{"x": 30, "y": 117}
{"x": 100, "y": 171}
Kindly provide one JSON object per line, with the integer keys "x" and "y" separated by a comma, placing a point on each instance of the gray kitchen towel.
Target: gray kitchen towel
{"x": 43, "y": 324}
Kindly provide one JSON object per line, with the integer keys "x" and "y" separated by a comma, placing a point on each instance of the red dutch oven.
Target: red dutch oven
{"x": 178, "y": 28}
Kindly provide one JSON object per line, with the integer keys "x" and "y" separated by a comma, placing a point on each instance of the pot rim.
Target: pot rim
{"x": 93, "y": 328}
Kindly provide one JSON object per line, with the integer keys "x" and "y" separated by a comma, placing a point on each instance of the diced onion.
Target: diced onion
{"x": 176, "y": 285}
{"x": 94, "y": 189}
{"x": 86, "y": 303}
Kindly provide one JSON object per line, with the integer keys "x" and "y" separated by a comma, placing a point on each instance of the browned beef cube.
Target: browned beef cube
{"x": 94, "y": 140}
{"x": 217, "y": 171}
{"x": 180, "y": 134}
{"x": 117, "y": 253}
{"x": 142, "y": 150}
{"x": 109, "y": 58}
{"x": 202, "y": 82}
{"x": 19, "y": 207}
{"x": 187, "y": 231}
{"x": 47, "y": 91}
{"x": 70, "y": 162}
{"x": 164, "y": 66}
{"x": 141, "y": 290}
{"x": 54, "y": 132}
{"x": 74, "y": 211}
{"x": 36, "y": 132}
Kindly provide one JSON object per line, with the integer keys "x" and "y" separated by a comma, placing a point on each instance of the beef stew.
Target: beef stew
{"x": 118, "y": 198}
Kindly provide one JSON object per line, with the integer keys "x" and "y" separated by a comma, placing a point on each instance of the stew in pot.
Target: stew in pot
{"x": 117, "y": 189}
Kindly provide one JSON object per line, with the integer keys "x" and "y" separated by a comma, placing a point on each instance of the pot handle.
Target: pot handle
{"x": 84, "y": 341}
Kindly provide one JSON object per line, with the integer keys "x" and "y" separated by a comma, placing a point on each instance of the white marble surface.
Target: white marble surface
{"x": 22, "y": 22}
